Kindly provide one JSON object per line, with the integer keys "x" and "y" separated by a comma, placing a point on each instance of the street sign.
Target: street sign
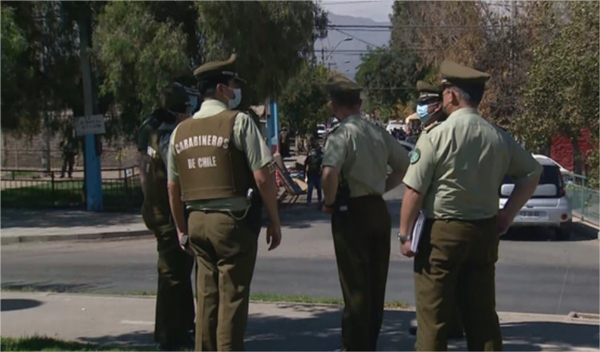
{"x": 90, "y": 125}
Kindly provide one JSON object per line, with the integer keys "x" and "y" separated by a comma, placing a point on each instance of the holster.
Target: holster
{"x": 342, "y": 196}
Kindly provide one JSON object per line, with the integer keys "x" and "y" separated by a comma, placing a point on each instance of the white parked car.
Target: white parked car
{"x": 394, "y": 125}
{"x": 321, "y": 130}
{"x": 549, "y": 206}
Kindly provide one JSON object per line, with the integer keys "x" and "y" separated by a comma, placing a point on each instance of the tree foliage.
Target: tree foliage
{"x": 46, "y": 71}
{"x": 272, "y": 39}
{"x": 561, "y": 96}
{"x": 389, "y": 77}
{"x": 138, "y": 56}
{"x": 542, "y": 57}
{"x": 303, "y": 102}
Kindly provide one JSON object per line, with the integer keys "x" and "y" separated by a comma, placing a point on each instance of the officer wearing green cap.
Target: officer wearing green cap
{"x": 220, "y": 170}
{"x": 429, "y": 111}
{"x": 455, "y": 172}
{"x": 174, "y": 318}
{"x": 354, "y": 178}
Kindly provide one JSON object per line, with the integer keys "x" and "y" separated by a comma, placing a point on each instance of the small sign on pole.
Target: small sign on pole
{"x": 94, "y": 124}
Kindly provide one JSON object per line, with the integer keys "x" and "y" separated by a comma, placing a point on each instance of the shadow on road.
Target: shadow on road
{"x": 318, "y": 329}
{"x": 7, "y": 305}
{"x": 581, "y": 232}
{"x": 138, "y": 340}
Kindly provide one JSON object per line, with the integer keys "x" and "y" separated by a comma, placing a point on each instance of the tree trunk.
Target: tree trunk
{"x": 576, "y": 156}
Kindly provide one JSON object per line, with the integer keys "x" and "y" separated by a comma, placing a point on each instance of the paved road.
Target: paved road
{"x": 534, "y": 274}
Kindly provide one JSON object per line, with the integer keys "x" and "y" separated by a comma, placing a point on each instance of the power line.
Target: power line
{"x": 349, "y": 2}
{"x": 355, "y": 37}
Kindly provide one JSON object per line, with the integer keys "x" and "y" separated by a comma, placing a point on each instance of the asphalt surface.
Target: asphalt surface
{"x": 534, "y": 274}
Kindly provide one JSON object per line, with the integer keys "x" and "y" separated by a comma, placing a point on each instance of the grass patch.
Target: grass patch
{"x": 267, "y": 297}
{"x": 254, "y": 297}
{"x": 68, "y": 193}
{"x": 38, "y": 343}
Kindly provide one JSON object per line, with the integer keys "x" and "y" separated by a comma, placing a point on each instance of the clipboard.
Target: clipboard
{"x": 417, "y": 231}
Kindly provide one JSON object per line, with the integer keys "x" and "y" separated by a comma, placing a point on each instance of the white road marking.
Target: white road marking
{"x": 137, "y": 322}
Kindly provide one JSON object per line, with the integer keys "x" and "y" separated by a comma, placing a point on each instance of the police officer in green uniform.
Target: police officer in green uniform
{"x": 455, "y": 172}
{"x": 354, "y": 178}
{"x": 174, "y": 300}
{"x": 220, "y": 170}
{"x": 429, "y": 111}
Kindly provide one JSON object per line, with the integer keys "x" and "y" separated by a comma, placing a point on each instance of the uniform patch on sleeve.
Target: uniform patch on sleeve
{"x": 415, "y": 156}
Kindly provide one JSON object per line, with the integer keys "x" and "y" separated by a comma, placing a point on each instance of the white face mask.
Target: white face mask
{"x": 237, "y": 98}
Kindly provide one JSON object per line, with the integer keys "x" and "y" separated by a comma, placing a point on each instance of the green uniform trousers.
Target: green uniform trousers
{"x": 456, "y": 264}
{"x": 225, "y": 250}
{"x": 361, "y": 237}
{"x": 174, "y": 298}
{"x": 455, "y": 325}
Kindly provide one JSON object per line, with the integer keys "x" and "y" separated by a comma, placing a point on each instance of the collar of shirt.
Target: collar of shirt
{"x": 210, "y": 107}
{"x": 350, "y": 118}
{"x": 462, "y": 112}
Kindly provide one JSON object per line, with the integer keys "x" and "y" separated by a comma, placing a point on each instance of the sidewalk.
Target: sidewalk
{"x": 25, "y": 225}
{"x": 128, "y": 321}
{"x": 56, "y": 225}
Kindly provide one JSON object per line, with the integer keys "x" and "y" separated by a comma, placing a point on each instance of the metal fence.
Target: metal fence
{"x": 585, "y": 201}
{"x": 39, "y": 189}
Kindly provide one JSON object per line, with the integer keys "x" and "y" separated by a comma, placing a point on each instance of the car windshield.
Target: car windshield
{"x": 550, "y": 176}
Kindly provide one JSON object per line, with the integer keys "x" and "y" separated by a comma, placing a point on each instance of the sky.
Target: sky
{"x": 377, "y": 10}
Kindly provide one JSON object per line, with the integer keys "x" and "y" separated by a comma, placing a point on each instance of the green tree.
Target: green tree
{"x": 303, "y": 102}
{"x": 138, "y": 56}
{"x": 14, "y": 51}
{"x": 47, "y": 72}
{"x": 272, "y": 39}
{"x": 561, "y": 96}
{"x": 389, "y": 77}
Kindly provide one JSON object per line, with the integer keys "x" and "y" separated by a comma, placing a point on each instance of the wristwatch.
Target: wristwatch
{"x": 330, "y": 206}
{"x": 403, "y": 238}
{"x": 184, "y": 241}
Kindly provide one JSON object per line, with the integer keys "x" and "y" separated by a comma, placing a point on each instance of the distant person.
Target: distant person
{"x": 69, "y": 149}
{"x": 284, "y": 143}
{"x": 312, "y": 171}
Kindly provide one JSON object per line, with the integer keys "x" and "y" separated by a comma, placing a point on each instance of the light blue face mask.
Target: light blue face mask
{"x": 423, "y": 113}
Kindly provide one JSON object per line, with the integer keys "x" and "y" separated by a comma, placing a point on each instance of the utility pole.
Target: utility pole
{"x": 92, "y": 169}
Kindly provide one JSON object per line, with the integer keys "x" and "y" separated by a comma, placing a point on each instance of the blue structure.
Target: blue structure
{"x": 273, "y": 128}
{"x": 93, "y": 175}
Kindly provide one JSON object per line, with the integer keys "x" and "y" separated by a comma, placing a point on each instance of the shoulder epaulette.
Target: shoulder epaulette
{"x": 432, "y": 126}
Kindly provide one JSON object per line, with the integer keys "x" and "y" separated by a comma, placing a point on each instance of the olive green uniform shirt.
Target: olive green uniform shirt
{"x": 361, "y": 152}
{"x": 459, "y": 165}
{"x": 246, "y": 137}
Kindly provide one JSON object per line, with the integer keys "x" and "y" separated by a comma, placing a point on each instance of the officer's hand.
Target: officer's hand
{"x": 326, "y": 210}
{"x": 273, "y": 236}
{"x": 405, "y": 249}
{"x": 504, "y": 221}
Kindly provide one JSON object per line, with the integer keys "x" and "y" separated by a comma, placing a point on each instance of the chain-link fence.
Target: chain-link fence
{"x": 585, "y": 201}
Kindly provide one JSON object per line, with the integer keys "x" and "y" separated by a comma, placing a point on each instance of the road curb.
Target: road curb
{"x": 80, "y": 237}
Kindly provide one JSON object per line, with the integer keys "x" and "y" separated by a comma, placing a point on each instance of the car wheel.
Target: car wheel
{"x": 563, "y": 233}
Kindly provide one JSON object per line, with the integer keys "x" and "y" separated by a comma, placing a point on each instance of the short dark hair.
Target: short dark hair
{"x": 471, "y": 94}
{"x": 346, "y": 99}
{"x": 207, "y": 86}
